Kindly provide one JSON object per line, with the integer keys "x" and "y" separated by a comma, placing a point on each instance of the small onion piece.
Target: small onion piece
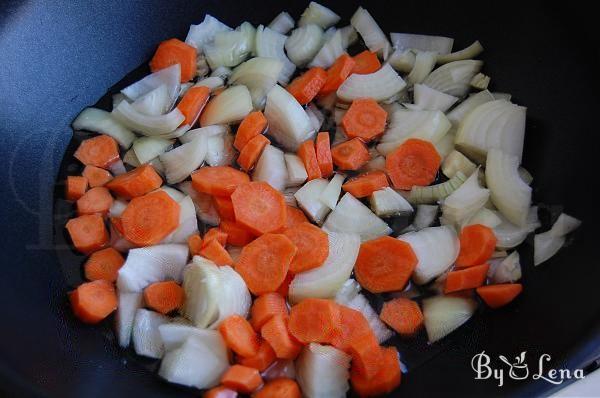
{"x": 483, "y": 216}
{"x": 230, "y": 48}
{"x": 509, "y": 235}
{"x": 379, "y": 85}
{"x": 117, "y": 208}
{"x": 445, "y": 145}
{"x": 102, "y": 122}
{"x": 387, "y": 202}
{"x": 259, "y": 75}
{"x": 564, "y": 224}
{"x": 175, "y": 194}
{"x": 460, "y": 111}
{"x": 329, "y": 52}
{"x": 318, "y": 15}
{"x": 465, "y": 201}
{"x": 508, "y": 270}
{"x": 234, "y": 297}
{"x": 201, "y": 35}
{"x": 480, "y": 81}
{"x": 402, "y": 60}
{"x": 155, "y": 102}
{"x": 454, "y": 78}
{"x": 425, "y": 216}
{"x": 370, "y": 32}
{"x": 180, "y": 162}
{"x": 309, "y": 199}
{"x": 148, "y": 148}
{"x": 304, "y": 43}
{"x": 424, "y": 64}
{"x": 270, "y": 44}
{"x": 222, "y": 72}
{"x": 323, "y": 371}
{"x": 411, "y": 41}
{"x": 457, "y": 162}
{"x": 434, "y": 193}
{"x": 282, "y": 23}
{"x": 546, "y": 246}
{"x": 271, "y": 168}
{"x": 316, "y": 116}
{"x": 288, "y": 196}
{"x": 207, "y": 132}
{"x": 150, "y": 125}
{"x": 202, "y": 285}
{"x": 219, "y": 150}
{"x": 360, "y": 303}
{"x": 281, "y": 368}
{"x": 444, "y": 314}
{"x": 230, "y": 106}
{"x": 170, "y": 77}
{"x": 144, "y": 334}
{"x": 296, "y": 171}
{"x": 212, "y": 82}
{"x": 188, "y": 223}
{"x": 331, "y": 193}
{"x": 350, "y": 289}
{"x": 205, "y": 209}
{"x": 349, "y": 36}
{"x": 174, "y": 335}
{"x": 466, "y": 53}
{"x": 429, "y": 99}
{"x": 129, "y": 303}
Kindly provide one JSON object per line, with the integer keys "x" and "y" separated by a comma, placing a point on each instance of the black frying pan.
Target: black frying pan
{"x": 58, "y": 57}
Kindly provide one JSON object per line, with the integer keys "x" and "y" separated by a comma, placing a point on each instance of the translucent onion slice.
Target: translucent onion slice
{"x": 102, "y": 122}
{"x": 117, "y": 208}
{"x": 222, "y": 72}
{"x": 147, "y": 124}
{"x": 234, "y": 297}
{"x": 349, "y": 36}
{"x": 309, "y": 199}
{"x": 204, "y": 33}
{"x": 466, "y": 53}
{"x": 129, "y": 303}
{"x": 429, "y": 99}
{"x": 564, "y": 224}
{"x": 180, "y": 162}
{"x": 175, "y": 194}
{"x": 117, "y": 98}
{"x": 402, "y": 60}
{"x": 480, "y": 81}
{"x": 174, "y": 335}
{"x": 347, "y": 292}
{"x": 454, "y": 78}
{"x": 296, "y": 171}
{"x": 445, "y": 145}
{"x": 459, "y": 112}
{"x": 220, "y": 151}
{"x": 318, "y": 15}
{"x": 525, "y": 175}
{"x": 455, "y": 162}
{"x": 331, "y": 193}
{"x": 387, "y": 202}
{"x": 411, "y": 41}
{"x": 377, "y": 163}
{"x": 282, "y": 23}
{"x": 170, "y": 77}
{"x": 370, "y": 32}
{"x": 281, "y": 368}
{"x": 465, "y": 201}
{"x": 509, "y": 235}
{"x": 188, "y": 223}
{"x": 145, "y": 336}
{"x": 425, "y": 216}
{"x": 379, "y": 85}
{"x": 288, "y": 196}
{"x": 212, "y": 82}
{"x": 546, "y": 246}
{"x": 271, "y": 168}
{"x": 155, "y": 102}
{"x": 424, "y": 64}
{"x": 213, "y": 130}
{"x": 270, "y": 44}
{"x": 230, "y": 48}
{"x": 316, "y": 116}
{"x": 434, "y": 193}
{"x": 205, "y": 209}
{"x": 259, "y": 75}
{"x": 323, "y": 371}
{"x": 304, "y": 43}
{"x": 360, "y": 303}
{"x": 508, "y": 270}
{"x": 202, "y": 284}
{"x": 483, "y": 216}
{"x": 148, "y": 148}
{"x": 445, "y": 314}
{"x": 328, "y": 52}
{"x": 230, "y": 106}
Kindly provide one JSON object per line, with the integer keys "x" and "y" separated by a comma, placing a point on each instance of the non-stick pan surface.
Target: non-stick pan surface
{"x": 58, "y": 57}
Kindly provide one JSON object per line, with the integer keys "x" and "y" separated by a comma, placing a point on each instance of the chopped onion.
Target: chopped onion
{"x": 432, "y": 263}
{"x": 330, "y": 195}
{"x": 411, "y": 41}
{"x": 219, "y": 150}
{"x": 509, "y": 193}
{"x": 147, "y": 124}
{"x": 315, "y": 115}
{"x": 480, "y": 81}
{"x": 319, "y": 15}
{"x": 546, "y": 245}
{"x": 281, "y": 368}
{"x": 326, "y": 280}
{"x": 457, "y": 114}
{"x": 483, "y": 216}
{"x": 188, "y": 223}
{"x": 347, "y": 292}
{"x": 309, "y": 199}
{"x": 117, "y": 208}
{"x": 466, "y": 53}
{"x": 453, "y": 78}
{"x": 173, "y": 193}
{"x": 212, "y": 82}
{"x": 444, "y": 314}
{"x": 173, "y": 335}
{"x": 564, "y": 224}
{"x": 424, "y": 64}
{"x": 402, "y": 60}
{"x": 377, "y": 163}
{"x": 295, "y": 170}
{"x": 102, "y": 122}
{"x": 360, "y": 303}
{"x": 282, "y": 23}
{"x": 145, "y": 336}
{"x": 465, "y": 201}
{"x": 230, "y": 48}
{"x": 425, "y": 216}
{"x": 288, "y": 196}
{"x": 508, "y": 270}
{"x": 352, "y": 216}
{"x": 233, "y": 296}
{"x": 230, "y": 106}
{"x": 323, "y": 371}
{"x": 222, "y": 72}
{"x": 504, "y": 96}
{"x": 349, "y": 35}
{"x": 289, "y": 124}
{"x": 151, "y": 264}
{"x": 155, "y": 102}
{"x": 370, "y": 32}
{"x": 270, "y": 44}
{"x": 445, "y": 145}
{"x": 205, "y": 209}
{"x": 129, "y": 303}
{"x": 271, "y": 168}
{"x": 213, "y": 130}
{"x": 387, "y": 202}
{"x": 379, "y": 85}
{"x": 429, "y": 99}
{"x": 117, "y": 168}
{"x": 170, "y": 77}
{"x": 457, "y": 162}
{"x": 182, "y": 161}
{"x": 201, "y": 35}
{"x": 304, "y": 43}
{"x": 201, "y": 282}
{"x": 148, "y": 148}
{"x": 117, "y": 98}
{"x": 509, "y": 235}
{"x": 329, "y": 52}
{"x": 259, "y": 75}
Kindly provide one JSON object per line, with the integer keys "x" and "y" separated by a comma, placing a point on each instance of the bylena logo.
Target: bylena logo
{"x": 519, "y": 369}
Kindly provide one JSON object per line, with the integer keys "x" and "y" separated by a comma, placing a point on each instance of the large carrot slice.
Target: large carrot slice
{"x": 164, "y": 297}
{"x": 306, "y": 86}
{"x": 366, "y": 355}
{"x": 192, "y": 104}
{"x": 220, "y": 392}
{"x": 468, "y": 278}
{"x": 366, "y": 62}
{"x": 93, "y": 301}
{"x": 252, "y": 125}
{"x": 150, "y": 218}
{"x": 241, "y": 379}
{"x": 365, "y": 119}
{"x": 103, "y": 264}
{"x": 218, "y": 180}
{"x": 95, "y": 201}
{"x": 275, "y": 332}
{"x": 386, "y": 379}
{"x": 477, "y": 244}
{"x": 337, "y": 73}
{"x": 350, "y": 155}
{"x": 237, "y": 235}
{"x": 403, "y": 315}
{"x": 306, "y": 152}
{"x": 294, "y": 216}
{"x": 315, "y": 321}
{"x": 216, "y": 253}
{"x": 216, "y": 233}
{"x": 194, "y": 244}
{"x": 101, "y": 151}
{"x": 279, "y": 388}
{"x": 88, "y": 233}
{"x": 136, "y": 182}
{"x": 353, "y": 325}
{"x": 496, "y": 296}
{"x": 264, "y": 262}
{"x": 75, "y": 187}
{"x": 365, "y": 184}
{"x": 323, "y": 151}
{"x": 259, "y": 207}
{"x": 251, "y": 152}
{"x": 96, "y": 176}
{"x": 265, "y": 307}
{"x": 239, "y": 336}
{"x": 174, "y": 51}
{"x": 312, "y": 244}
{"x": 284, "y": 288}
{"x": 262, "y": 360}
{"x": 384, "y": 264}
{"x": 224, "y": 207}
{"x": 414, "y": 162}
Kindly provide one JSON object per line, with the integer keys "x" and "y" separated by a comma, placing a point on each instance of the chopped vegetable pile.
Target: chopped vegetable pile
{"x": 237, "y": 201}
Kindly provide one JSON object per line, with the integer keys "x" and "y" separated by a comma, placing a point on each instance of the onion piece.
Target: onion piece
{"x": 212, "y": 82}
{"x": 147, "y": 124}
{"x": 129, "y": 303}
{"x": 370, "y": 32}
{"x": 465, "y": 201}
{"x": 457, "y": 162}
{"x": 546, "y": 246}
{"x": 319, "y": 15}
{"x": 509, "y": 235}
{"x": 202, "y": 284}
{"x": 347, "y": 292}
{"x": 304, "y": 43}
{"x": 201, "y": 35}
{"x": 309, "y": 199}
{"x": 222, "y": 72}
{"x": 411, "y": 41}
{"x": 117, "y": 208}
{"x": 323, "y": 371}
{"x": 144, "y": 334}
{"x": 205, "y": 209}
{"x": 381, "y": 331}
{"x": 148, "y": 148}
{"x": 424, "y": 64}
{"x": 349, "y": 35}
{"x": 155, "y": 102}
{"x": 457, "y": 114}
{"x": 330, "y": 195}
{"x": 173, "y": 335}
{"x": 379, "y": 85}
{"x": 102, "y": 122}
{"x": 117, "y": 168}
{"x": 453, "y": 78}
{"x": 466, "y": 53}
{"x": 188, "y": 223}
{"x": 259, "y": 75}
{"x": 233, "y": 296}
{"x": 444, "y": 314}
{"x": 326, "y": 280}
{"x": 219, "y": 150}
{"x": 387, "y": 202}
{"x": 271, "y": 168}
{"x": 296, "y": 172}
{"x": 282, "y": 23}
{"x": 480, "y": 81}
{"x": 281, "y": 368}
{"x": 316, "y": 116}
{"x": 377, "y": 163}
{"x": 425, "y": 216}
{"x": 170, "y": 77}
{"x": 402, "y": 60}
{"x": 230, "y": 48}
{"x": 117, "y": 98}
{"x": 564, "y": 224}
{"x": 508, "y": 270}
{"x": 207, "y": 132}
{"x": 429, "y": 99}
{"x": 270, "y": 44}
{"x": 352, "y": 216}
{"x": 525, "y": 175}
{"x": 329, "y": 52}
{"x": 445, "y": 145}
{"x": 230, "y": 106}
{"x": 173, "y": 193}
{"x": 483, "y": 216}
{"x": 182, "y": 161}
{"x": 288, "y": 196}
{"x": 432, "y": 263}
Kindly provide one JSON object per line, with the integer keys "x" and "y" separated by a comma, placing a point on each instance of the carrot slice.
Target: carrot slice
{"x": 174, "y": 51}
{"x": 164, "y": 297}
{"x": 93, "y": 301}
{"x": 265, "y": 307}
{"x": 306, "y": 152}
{"x": 150, "y": 218}
{"x": 95, "y": 201}
{"x": 312, "y": 244}
{"x": 101, "y": 151}
{"x": 251, "y": 152}
{"x": 259, "y": 207}
{"x": 224, "y": 207}
{"x": 75, "y": 187}
{"x": 496, "y": 296}
{"x": 237, "y": 235}
{"x": 294, "y": 217}
{"x": 279, "y": 388}
{"x": 477, "y": 244}
{"x": 194, "y": 244}
{"x": 216, "y": 253}
{"x": 414, "y": 162}
{"x": 366, "y": 355}
{"x": 216, "y": 233}
{"x": 365, "y": 119}
{"x": 252, "y": 125}
{"x": 284, "y": 288}
{"x": 241, "y": 379}
{"x": 350, "y": 155}
{"x": 88, "y": 233}
{"x": 239, "y": 336}
{"x": 386, "y": 379}
{"x": 306, "y": 86}
{"x": 403, "y": 315}
{"x": 103, "y": 264}
{"x": 276, "y": 333}
{"x": 96, "y": 176}
{"x": 366, "y": 62}
{"x": 365, "y": 184}
{"x": 264, "y": 262}
{"x": 323, "y": 151}
{"x": 353, "y": 325}
{"x": 262, "y": 360}
{"x": 136, "y": 182}
{"x": 337, "y": 73}
{"x": 220, "y": 392}
{"x": 218, "y": 180}
{"x": 192, "y": 104}
{"x": 467, "y": 278}
{"x": 315, "y": 321}
{"x": 384, "y": 264}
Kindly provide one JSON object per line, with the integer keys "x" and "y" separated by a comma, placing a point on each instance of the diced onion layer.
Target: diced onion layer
{"x": 379, "y": 85}
{"x": 444, "y": 314}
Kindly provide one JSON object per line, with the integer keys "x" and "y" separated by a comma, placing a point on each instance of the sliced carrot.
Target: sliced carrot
{"x": 251, "y": 152}
{"x": 194, "y": 244}
{"x": 259, "y": 207}
{"x": 239, "y": 336}
{"x": 264, "y": 262}
{"x": 216, "y": 233}
{"x": 101, "y": 151}
{"x": 75, "y": 187}
{"x": 96, "y": 176}
{"x": 353, "y": 325}
{"x": 364, "y": 119}
{"x": 103, "y": 264}
{"x": 366, "y": 62}
{"x": 386, "y": 379}
{"x": 117, "y": 224}
{"x": 350, "y": 155}
{"x": 150, "y": 218}
{"x": 224, "y": 207}
{"x": 384, "y": 264}
{"x": 88, "y": 233}
{"x": 366, "y": 355}
{"x": 164, "y": 297}
{"x": 477, "y": 244}
{"x": 220, "y": 392}
{"x": 136, "y": 182}
{"x": 323, "y": 151}
{"x": 312, "y": 244}
{"x": 192, "y": 104}
{"x": 252, "y": 125}
{"x": 315, "y": 321}
{"x": 365, "y": 184}
{"x": 262, "y": 360}
{"x": 218, "y": 180}
{"x": 306, "y": 86}
{"x": 279, "y": 388}
{"x": 403, "y": 315}
{"x": 174, "y": 51}
{"x": 241, "y": 379}
{"x": 93, "y": 301}
{"x": 337, "y": 73}
{"x": 414, "y": 162}
{"x": 294, "y": 217}
{"x": 496, "y": 296}
{"x": 265, "y": 307}
{"x": 468, "y": 278}
{"x": 216, "y": 253}
{"x": 284, "y": 288}
{"x": 306, "y": 152}
{"x": 276, "y": 333}
{"x": 95, "y": 201}
{"x": 237, "y": 235}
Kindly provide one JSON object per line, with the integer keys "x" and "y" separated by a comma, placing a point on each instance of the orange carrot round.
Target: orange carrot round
{"x": 386, "y": 379}
{"x": 294, "y": 216}
{"x": 315, "y": 321}
{"x": 337, "y": 74}
{"x": 365, "y": 119}
{"x": 252, "y": 125}
{"x": 403, "y": 315}
{"x": 279, "y": 388}
{"x": 323, "y": 151}
{"x": 164, "y": 297}
{"x": 365, "y": 184}
{"x": 174, "y": 51}
{"x": 366, "y": 355}
{"x": 467, "y": 278}
{"x": 95, "y": 201}
{"x": 239, "y": 336}
{"x": 103, "y": 264}
{"x": 350, "y": 155}
{"x": 216, "y": 233}
{"x": 284, "y": 288}
{"x": 262, "y": 360}
{"x": 276, "y": 333}
{"x": 237, "y": 235}
{"x": 88, "y": 233}
{"x": 96, "y": 176}
{"x": 136, "y": 182}
{"x": 265, "y": 307}
{"x": 366, "y": 62}
{"x": 414, "y": 162}
{"x": 75, "y": 187}
{"x": 216, "y": 253}
{"x": 150, "y": 218}
{"x": 251, "y": 152}
{"x": 496, "y": 296}
{"x": 194, "y": 244}
{"x": 306, "y": 86}
{"x": 241, "y": 379}
{"x": 192, "y": 104}
{"x": 218, "y": 180}
{"x": 353, "y": 325}
{"x": 93, "y": 301}
{"x": 259, "y": 207}
{"x": 477, "y": 243}
{"x": 312, "y": 244}
{"x": 101, "y": 151}
{"x": 306, "y": 152}
{"x": 224, "y": 207}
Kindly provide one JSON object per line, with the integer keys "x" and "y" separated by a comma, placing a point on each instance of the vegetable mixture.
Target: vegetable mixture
{"x": 209, "y": 204}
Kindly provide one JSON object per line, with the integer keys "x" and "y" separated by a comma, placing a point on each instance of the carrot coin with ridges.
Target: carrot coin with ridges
{"x": 337, "y": 74}
{"x": 75, "y": 187}
{"x": 195, "y": 244}
{"x": 239, "y": 336}
{"x": 224, "y": 207}
{"x": 294, "y": 216}
{"x": 215, "y": 233}
{"x": 353, "y": 325}
{"x": 366, "y": 355}
{"x": 386, "y": 379}
{"x": 365, "y": 119}
{"x": 403, "y": 315}
{"x": 103, "y": 264}
{"x": 251, "y": 152}
{"x": 96, "y": 176}
{"x": 323, "y": 151}
{"x": 242, "y": 379}
{"x": 150, "y": 218}
{"x": 136, "y": 182}
{"x": 279, "y": 388}
{"x": 262, "y": 360}
{"x": 192, "y": 104}
{"x": 218, "y": 180}
{"x": 266, "y": 306}
{"x": 164, "y": 297}
{"x": 216, "y": 253}
{"x": 350, "y": 155}
{"x": 306, "y": 86}
{"x": 93, "y": 301}
{"x": 276, "y": 333}
{"x": 88, "y": 233}
{"x": 95, "y": 201}
{"x": 365, "y": 184}
{"x": 468, "y": 278}
{"x": 477, "y": 244}
{"x": 252, "y": 125}
{"x": 496, "y": 296}
{"x": 174, "y": 51}
{"x": 312, "y": 244}
{"x": 306, "y": 152}
{"x": 101, "y": 151}
{"x": 414, "y": 163}
{"x": 315, "y": 321}
{"x": 237, "y": 235}
{"x": 366, "y": 62}
{"x": 259, "y": 207}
